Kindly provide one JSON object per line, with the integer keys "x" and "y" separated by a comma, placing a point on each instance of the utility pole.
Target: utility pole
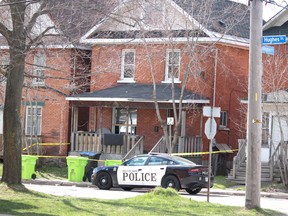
{"x": 254, "y": 133}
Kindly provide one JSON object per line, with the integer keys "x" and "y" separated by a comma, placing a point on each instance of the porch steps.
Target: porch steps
{"x": 240, "y": 176}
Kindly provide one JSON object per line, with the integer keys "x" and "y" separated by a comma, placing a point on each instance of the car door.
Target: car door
{"x": 131, "y": 173}
{"x": 154, "y": 170}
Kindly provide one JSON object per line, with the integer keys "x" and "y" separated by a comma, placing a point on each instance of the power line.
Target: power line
{"x": 272, "y": 2}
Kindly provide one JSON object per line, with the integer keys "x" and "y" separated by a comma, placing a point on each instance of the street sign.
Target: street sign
{"x": 274, "y": 39}
{"x": 210, "y": 128}
{"x": 211, "y": 111}
{"x": 170, "y": 121}
{"x": 268, "y": 50}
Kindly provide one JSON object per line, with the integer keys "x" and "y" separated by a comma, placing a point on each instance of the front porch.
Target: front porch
{"x": 126, "y": 146}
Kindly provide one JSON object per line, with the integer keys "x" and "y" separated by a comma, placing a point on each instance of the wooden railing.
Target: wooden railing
{"x": 88, "y": 141}
{"x": 240, "y": 157}
{"x": 279, "y": 159}
{"x": 185, "y": 145}
{"x": 137, "y": 148}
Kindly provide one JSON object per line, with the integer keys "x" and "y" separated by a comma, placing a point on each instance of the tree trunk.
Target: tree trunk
{"x": 12, "y": 123}
{"x": 12, "y": 165}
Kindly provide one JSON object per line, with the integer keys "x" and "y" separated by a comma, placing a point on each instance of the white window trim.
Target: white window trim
{"x": 26, "y": 120}
{"x": 123, "y": 79}
{"x": 39, "y": 68}
{"x": 169, "y": 80}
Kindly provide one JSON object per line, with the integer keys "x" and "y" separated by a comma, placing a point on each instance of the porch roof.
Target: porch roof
{"x": 140, "y": 93}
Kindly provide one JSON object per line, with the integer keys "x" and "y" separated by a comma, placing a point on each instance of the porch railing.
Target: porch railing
{"x": 186, "y": 144}
{"x": 94, "y": 142}
{"x": 240, "y": 157}
{"x": 137, "y": 148}
{"x": 279, "y": 158}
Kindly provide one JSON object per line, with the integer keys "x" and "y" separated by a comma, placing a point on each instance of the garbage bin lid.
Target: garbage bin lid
{"x": 88, "y": 154}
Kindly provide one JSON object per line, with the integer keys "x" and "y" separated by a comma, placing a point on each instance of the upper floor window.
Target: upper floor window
{"x": 172, "y": 70}
{"x": 223, "y": 119}
{"x": 33, "y": 120}
{"x": 39, "y": 69}
{"x": 128, "y": 65}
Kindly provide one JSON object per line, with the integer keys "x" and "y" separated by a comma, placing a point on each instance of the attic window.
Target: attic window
{"x": 222, "y": 23}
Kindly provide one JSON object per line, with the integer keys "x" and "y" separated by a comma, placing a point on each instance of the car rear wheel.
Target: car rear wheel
{"x": 193, "y": 191}
{"x": 171, "y": 182}
{"x": 127, "y": 188}
{"x": 104, "y": 181}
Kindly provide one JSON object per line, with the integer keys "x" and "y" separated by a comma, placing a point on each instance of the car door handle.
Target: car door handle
{"x": 162, "y": 168}
{"x": 139, "y": 169}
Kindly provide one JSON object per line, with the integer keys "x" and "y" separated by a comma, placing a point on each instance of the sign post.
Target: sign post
{"x": 210, "y": 132}
{"x": 170, "y": 122}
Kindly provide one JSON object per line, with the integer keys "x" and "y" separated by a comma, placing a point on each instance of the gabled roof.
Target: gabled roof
{"x": 277, "y": 25}
{"x": 139, "y": 93}
{"x": 221, "y": 16}
{"x": 201, "y": 18}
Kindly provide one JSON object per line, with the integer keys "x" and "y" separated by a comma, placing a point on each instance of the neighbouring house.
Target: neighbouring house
{"x": 55, "y": 67}
{"x": 275, "y": 109}
{"x": 167, "y": 59}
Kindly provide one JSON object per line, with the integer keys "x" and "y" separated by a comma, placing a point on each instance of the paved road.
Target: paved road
{"x": 220, "y": 197}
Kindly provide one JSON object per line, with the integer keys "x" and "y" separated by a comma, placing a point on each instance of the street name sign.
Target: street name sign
{"x": 268, "y": 50}
{"x": 274, "y": 39}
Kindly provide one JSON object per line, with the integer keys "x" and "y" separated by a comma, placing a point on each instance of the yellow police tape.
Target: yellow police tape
{"x": 203, "y": 153}
{"x": 46, "y": 144}
{"x": 176, "y": 154}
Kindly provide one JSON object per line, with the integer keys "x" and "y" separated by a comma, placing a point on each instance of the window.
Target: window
{"x": 223, "y": 119}
{"x": 172, "y": 65}
{"x": 39, "y": 69}
{"x": 33, "y": 120}
{"x": 128, "y": 65}
{"x": 137, "y": 161}
{"x": 125, "y": 121}
{"x": 154, "y": 161}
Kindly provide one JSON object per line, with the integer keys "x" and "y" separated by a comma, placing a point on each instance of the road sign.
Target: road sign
{"x": 268, "y": 50}
{"x": 274, "y": 39}
{"x": 211, "y": 111}
{"x": 210, "y": 128}
{"x": 170, "y": 121}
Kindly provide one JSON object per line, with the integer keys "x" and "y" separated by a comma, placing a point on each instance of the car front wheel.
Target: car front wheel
{"x": 103, "y": 181}
{"x": 171, "y": 182}
{"x": 193, "y": 191}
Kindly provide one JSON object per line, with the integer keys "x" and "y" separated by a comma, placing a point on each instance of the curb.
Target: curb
{"x": 276, "y": 195}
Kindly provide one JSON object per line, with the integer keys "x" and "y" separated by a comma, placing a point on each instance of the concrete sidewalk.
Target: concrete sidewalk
{"x": 276, "y": 195}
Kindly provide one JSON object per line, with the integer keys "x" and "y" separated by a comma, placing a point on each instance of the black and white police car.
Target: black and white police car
{"x": 151, "y": 170}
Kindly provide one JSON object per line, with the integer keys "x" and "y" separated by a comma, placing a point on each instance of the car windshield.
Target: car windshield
{"x": 183, "y": 161}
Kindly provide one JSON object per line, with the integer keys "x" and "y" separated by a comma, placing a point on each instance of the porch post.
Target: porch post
{"x": 183, "y": 132}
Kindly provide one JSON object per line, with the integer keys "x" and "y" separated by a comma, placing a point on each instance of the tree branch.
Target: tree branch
{"x": 5, "y": 31}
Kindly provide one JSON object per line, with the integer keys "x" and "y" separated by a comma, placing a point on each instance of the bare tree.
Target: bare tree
{"x": 31, "y": 25}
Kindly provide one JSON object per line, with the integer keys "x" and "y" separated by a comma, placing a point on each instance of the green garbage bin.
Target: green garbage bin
{"x": 76, "y": 168}
{"x": 112, "y": 162}
{"x": 28, "y": 166}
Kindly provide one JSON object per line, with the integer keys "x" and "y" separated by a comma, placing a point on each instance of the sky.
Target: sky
{"x": 269, "y": 10}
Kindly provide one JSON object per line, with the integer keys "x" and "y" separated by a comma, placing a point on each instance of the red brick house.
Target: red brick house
{"x": 196, "y": 47}
{"x": 55, "y": 66}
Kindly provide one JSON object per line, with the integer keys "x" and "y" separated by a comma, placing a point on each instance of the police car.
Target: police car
{"x": 152, "y": 170}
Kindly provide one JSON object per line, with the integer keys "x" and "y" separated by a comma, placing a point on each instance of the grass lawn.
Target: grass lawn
{"x": 20, "y": 201}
